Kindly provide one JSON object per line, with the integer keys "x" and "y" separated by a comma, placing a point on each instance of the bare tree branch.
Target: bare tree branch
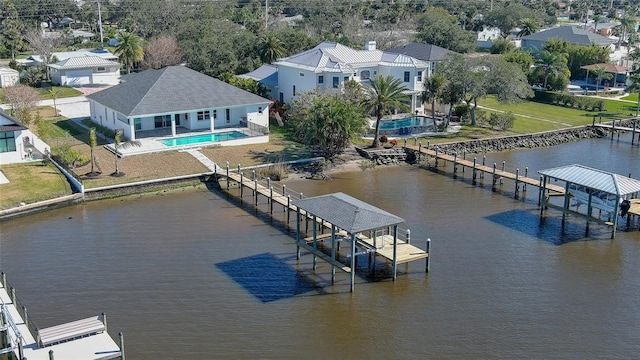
{"x": 23, "y": 100}
{"x": 161, "y": 52}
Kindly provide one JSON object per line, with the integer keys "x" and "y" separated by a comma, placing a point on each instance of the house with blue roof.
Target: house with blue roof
{"x": 329, "y": 65}
{"x": 571, "y": 34}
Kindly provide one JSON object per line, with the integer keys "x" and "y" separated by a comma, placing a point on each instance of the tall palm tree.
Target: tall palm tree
{"x": 432, "y": 89}
{"x": 384, "y": 95}
{"x": 271, "y": 49}
{"x": 129, "y": 50}
{"x": 601, "y": 73}
{"x": 553, "y": 64}
{"x": 634, "y": 78}
{"x": 118, "y": 143}
{"x": 529, "y": 26}
{"x": 93, "y": 142}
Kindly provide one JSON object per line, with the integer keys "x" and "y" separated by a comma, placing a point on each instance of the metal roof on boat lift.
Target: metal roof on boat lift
{"x": 595, "y": 179}
{"x": 347, "y": 213}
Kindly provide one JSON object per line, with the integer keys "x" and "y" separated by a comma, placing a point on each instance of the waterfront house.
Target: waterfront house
{"x": 158, "y": 102}
{"x": 85, "y": 70}
{"x": 266, "y": 75}
{"x": 36, "y": 60}
{"x": 329, "y": 65}
{"x": 571, "y": 34}
{"x": 432, "y": 54}
{"x": 17, "y": 142}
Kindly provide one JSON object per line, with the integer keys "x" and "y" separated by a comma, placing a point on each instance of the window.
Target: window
{"x": 336, "y": 81}
{"x": 204, "y": 115}
{"x": 294, "y": 90}
{"x": 365, "y": 75}
{"x": 406, "y": 76}
{"x": 227, "y": 114}
{"x": 7, "y": 142}
{"x": 215, "y": 114}
{"x": 346, "y": 78}
{"x": 162, "y": 121}
{"x": 137, "y": 123}
{"x": 302, "y": 74}
{"x": 320, "y": 79}
{"x": 260, "y": 110}
{"x": 420, "y": 76}
{"x": 101, "y": 69}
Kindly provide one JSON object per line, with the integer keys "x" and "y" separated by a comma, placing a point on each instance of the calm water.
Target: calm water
{"x": 190, "y": 275}
{"x": 203, "y": 138}
{"x": 410, "y": 122}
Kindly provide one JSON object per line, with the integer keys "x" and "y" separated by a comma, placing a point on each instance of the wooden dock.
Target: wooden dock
{"x": 497, "y": 174}
{"x": 381, "y": 245}
{"x": 618, "y": 129}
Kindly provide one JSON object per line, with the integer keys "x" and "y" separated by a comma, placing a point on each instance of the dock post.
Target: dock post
{"x": 13, "y": 295}
{"x": 408, "y": 236}
{"x": 503, "y": 164}
{"x": 271, "y": 200}
{"x": 493, "y": 182}
{"x": 474, "y": 172}
{"x": 26, "y": 316}
{"x": 228, "y": 176}
{"x": 517, "y": 185}
{"x": 255, "y": 191}
{"x": 543, "y": 187}
{"x": 4, "y": 280}
{"x": 284, "y": 193}
{"x": 104, "y": 320}
{"x": 428, "y": 254}
{"x": 352, "y": 274}
{"x": 50, "y": 354}
{"x": 297, "y": 233}
{"x": 333, "y": 253}
{"x": 288, "y": 208}
{"x": 633, "y": 133}
{"x": 484, "y": 160}
{"x": 20, "y": 350}
{"x": 315, "y": 241}
{"x": 613, "y": 128}
{"x": 526, "y": 174}
{"x": 455, "y": 165}
{"x": 436, "y": 157}
{"x": 419, "y": 151}
{"x": 464, "y": 157}
{"x": 121, "y": 338}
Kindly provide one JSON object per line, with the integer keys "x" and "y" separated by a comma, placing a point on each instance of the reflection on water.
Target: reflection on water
{"x": 191, "y": 275}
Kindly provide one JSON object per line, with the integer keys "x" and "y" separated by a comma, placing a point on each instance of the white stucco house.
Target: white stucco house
{"x": 159, "y": 102}
{"x": 329, "y": 65}
{"x": 85, "y": 70}
{"x": 36, "y": 60}
{"x": 8, "y": 77}
{"x": 17, "y": 142}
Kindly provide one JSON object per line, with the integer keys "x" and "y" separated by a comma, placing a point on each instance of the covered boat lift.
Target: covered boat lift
{"x": 350, "y": 218}
{"x": 600, "y": 190}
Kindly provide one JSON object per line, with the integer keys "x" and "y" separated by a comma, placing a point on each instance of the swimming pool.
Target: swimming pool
{"x": 203, "y": 138}
{"x": 414, "y": 121}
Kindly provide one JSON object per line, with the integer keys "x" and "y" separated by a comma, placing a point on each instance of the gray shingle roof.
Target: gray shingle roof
{"x": 348, "y": 213}
{"x": 172, "y": 89}
{"x": 426, "y": 52}
{"x": 17, "y": 125}
{"x": 595, "y": 179}
{"x": 571, "y": 34}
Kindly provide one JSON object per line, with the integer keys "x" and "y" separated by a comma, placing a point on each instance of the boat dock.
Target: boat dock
{"x": 498, "y": 174}
{"x": 81, "y": 339}
{"x": 618, "y": 129}
{"x": 321, "y": 226}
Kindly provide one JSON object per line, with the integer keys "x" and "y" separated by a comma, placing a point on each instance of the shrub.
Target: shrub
{"x": 383, "y": 139}
{"x": 68, "y": 156}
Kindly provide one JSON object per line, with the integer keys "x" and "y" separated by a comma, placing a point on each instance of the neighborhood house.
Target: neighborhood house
{"x": 17, "y": 142}
{"x": 85, "y": 70}
{"x": 172, "y": 99}
{"x": 329, "y": 65}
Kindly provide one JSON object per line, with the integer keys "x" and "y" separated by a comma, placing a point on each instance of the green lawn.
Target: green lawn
{"x": 631, "y": 97}
{"x": 59, "y": 91}
{"x": 32, "y": 182}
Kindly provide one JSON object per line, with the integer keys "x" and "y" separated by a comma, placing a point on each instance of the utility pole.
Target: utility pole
{"x": 100, "y": 25}
{"x": 266, "y": 14}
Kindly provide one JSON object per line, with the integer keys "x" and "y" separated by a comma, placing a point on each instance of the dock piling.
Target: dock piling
{"x": 50, "y": 354}
{"x": 493, "y": 182}
{"x": 408, "y": 236}
{"x": 503, "y": 164}
{"x": 517, "y": 184}
{"x": 474, "y": 172}
{"x": 455, "y": 165}
{"x": 526, "y": 174}
{"x": 428, "y": 254}
{"x": 121, "y": 338}
{"x": 228, "y": 175}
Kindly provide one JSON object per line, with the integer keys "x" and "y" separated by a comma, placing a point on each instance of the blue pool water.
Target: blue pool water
{"x": 388, "y": 124}
{"x": 203, "y": 138}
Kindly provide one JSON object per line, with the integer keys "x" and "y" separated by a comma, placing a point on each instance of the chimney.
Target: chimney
{"x": 370, "y": 45}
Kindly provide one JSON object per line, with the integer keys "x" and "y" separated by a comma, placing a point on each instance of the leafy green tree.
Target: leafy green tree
{"x": 129, "y": 50}
{"x": 502, "y": 46}
{"x": 383, "y": 96}
{"x": 326, "y": 122}
{"x": 552, "y": 65}
{"x": 475, "y": 78}
{"x": 524, "y": 59}
{"x": 601, "y": 73}
{"x": 579, "y": 56}
{"x": 432, "y": 92}
{"x": 506, "y": 18}
{"x": 11, "y": 27}
{"x": 528, "y": 26}
{"x": 437, "y": 27}
{"x": 271, "y": 48}
{"x": 249, "y": 85}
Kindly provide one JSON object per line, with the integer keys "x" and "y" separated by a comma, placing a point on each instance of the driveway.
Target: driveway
{"x": 72, "y": 107}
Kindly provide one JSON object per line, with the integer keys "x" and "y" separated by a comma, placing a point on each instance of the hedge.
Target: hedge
{"x": 569, "y": 100}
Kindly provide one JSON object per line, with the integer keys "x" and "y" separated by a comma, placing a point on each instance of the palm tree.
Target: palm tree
{"x": 626, "y": 23}
{"x": 432, "y": 89}
{"x": 384, "y": 95}
{"x": 601, "y": 73}
{"x": 271, "y": 49}
{"x": 119, "y": 144}
{"x": 553, "y": 64}
{"x": 529, "y": 26}
{"x": 129, "y": 50}
{"x": 93, "y": 142}
{"x": 635, "y": 87}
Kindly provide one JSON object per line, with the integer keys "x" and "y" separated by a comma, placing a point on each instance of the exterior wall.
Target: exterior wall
{"x": 288, "y": 77}
{"x": 78, "y": 77}
{"x": 20, "y": 154}
{"x": 108, "y": 118}
{"x": 9, "y": 79}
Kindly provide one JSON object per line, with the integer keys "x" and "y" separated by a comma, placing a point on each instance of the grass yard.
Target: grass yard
{"x": 31, "y": 182}
{"x": 60, "y": 92}
{"x": 631, "y": 97}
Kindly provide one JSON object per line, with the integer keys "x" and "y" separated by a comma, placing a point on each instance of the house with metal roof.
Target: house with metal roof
{"x": 17, "y": 142}
{"x": 571, "y": 34}
{"x": 85, "y": 70}
{"x": 160, "y": 102}
{"x": 266, "y": 75}
{"x": 432, "y": 54}
{"x": 8, "y": 77}
{"x": 36, "y": 60}
{"x": 329, "y": 65}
